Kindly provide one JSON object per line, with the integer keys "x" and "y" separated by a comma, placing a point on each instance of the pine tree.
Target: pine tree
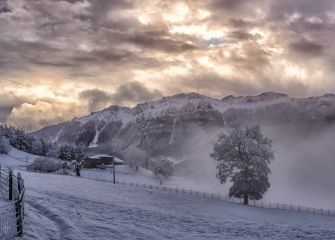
{"x": 243, "y": 157}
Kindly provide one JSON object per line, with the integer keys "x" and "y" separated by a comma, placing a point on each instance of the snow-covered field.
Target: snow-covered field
{"x": 69, "y": 207}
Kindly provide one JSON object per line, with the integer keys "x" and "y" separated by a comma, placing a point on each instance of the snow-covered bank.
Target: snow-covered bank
{"x": 66, "y": 207}
{"x": 16, "y": 158}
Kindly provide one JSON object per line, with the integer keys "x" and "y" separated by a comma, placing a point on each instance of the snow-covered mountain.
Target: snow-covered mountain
{"x": 164, "y": 127}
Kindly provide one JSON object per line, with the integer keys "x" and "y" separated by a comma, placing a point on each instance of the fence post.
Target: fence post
{"x": 10, "y": 184}
{"x": 19, "y": 208}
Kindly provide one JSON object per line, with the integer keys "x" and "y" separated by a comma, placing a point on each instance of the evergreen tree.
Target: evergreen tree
{"x": 243, "y": 157}
{"x": 68, "y": 153}
{"x": 4, "y": 145}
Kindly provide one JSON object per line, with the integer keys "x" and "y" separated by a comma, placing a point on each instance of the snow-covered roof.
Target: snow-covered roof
{"x": 99, "y": 156}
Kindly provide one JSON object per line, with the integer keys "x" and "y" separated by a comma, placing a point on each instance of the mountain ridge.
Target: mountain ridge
{"x": 193, "y": 108}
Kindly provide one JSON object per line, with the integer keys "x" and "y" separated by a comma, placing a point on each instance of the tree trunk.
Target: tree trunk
{"x": 246, "y": 199}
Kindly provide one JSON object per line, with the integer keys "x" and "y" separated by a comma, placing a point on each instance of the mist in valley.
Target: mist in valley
{"x": 301, "y": 173}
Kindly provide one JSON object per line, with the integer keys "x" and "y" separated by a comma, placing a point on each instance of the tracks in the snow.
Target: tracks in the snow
{"x": 66, "y": 230}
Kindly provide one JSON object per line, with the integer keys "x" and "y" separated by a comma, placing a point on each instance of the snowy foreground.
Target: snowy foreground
{"x": 68, "y": 207}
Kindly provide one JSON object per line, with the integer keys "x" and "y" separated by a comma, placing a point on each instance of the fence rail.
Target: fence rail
{"x": 12, "y": 214}
{"x": 215, "y": 196}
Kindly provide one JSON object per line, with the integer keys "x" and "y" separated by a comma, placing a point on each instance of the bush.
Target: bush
{"x": 4, "y": 145}
{"x": 44, "y": 164}
{"x": 163, "y": 168}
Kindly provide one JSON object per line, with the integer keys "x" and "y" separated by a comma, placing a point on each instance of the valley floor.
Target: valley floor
{"x": 68, "y": 207}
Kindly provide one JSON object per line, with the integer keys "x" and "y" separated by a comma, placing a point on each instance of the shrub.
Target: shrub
{"x": 44, "y": 164}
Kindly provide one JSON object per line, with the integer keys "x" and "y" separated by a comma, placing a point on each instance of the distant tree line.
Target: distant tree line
{"x": 69, "y": 152}
{"x": 21, "y": 140}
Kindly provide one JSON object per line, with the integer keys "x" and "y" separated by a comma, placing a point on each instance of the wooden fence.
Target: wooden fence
{"x": 12, "y": 194}
{"x": 215, "y": 196}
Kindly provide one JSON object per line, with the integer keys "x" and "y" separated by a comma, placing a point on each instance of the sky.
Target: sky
{"x": 65, "y": 58}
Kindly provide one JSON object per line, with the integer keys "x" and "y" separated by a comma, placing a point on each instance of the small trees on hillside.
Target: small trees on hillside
{"x": 243, "y": 158}
{"x": 68, "y": 153}
{"x": 163, "y": 168}
{"x": 23, "y": 141}
{"x": 4, "y": 145}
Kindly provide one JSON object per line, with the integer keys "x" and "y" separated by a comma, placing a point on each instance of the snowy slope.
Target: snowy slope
{"x": 16, "y": 158}
{"x": 66, "y": 207}
{"x": 69, "y": 207}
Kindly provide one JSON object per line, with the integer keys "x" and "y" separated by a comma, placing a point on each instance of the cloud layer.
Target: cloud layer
{"x": 88, "y": 54}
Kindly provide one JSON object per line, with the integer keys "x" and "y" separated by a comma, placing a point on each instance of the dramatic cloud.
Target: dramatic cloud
{"x": 307, "y": 48}
{"x": 97, "y": 99}
{"x": 35, "y": 116}
{"x": 134, "y": 92}
{"x": 89, "y": 54}
{"x": 125, "y": 94}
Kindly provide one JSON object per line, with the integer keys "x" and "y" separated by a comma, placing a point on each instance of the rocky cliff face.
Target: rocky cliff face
{"x": 166, "y": 127}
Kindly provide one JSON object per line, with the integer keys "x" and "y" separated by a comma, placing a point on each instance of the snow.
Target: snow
{"x": 113, "y": 113}
{"x": 94, "y": 142}
{"x": 98, "y": 156}
{"x": 55, "y": 139}
{"x": 67, "y": 207}
{"x": 16, "y": 158}
{"x": 175, "y": 105}
{"x": 173, "y": 132}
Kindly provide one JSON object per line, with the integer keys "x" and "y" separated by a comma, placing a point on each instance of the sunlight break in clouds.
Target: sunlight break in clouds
{"x": 60, "y": 49}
